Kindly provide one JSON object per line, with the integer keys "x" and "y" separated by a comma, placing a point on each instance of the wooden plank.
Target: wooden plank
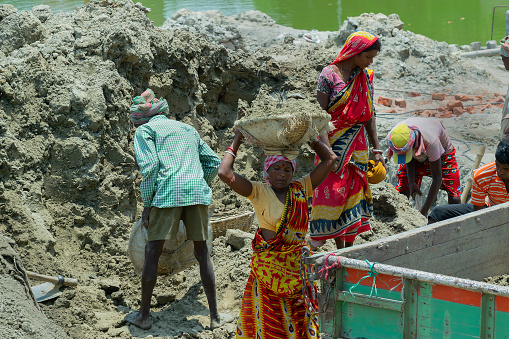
{"x": 415, "y": 249}
{"x": 501, "y": 323}
{"x": 436, "y": 333}
{"x": 338, "y": 318}
{"x": 488, "y": 316}
{"x": 423, "y": 309}
{"x": 368, "y": 322}
{"x": 500, "y": 335}
{"x": 453, "y": 330}
{"x": 457, "y": 258}
{"x": 384, "y": 281}
{"x": 450, "y": 319}
{"x": 326, "y": 316}
{"x": 460, "y": 313}
{"x": 410, "y": 311}
{"x": 502, "y": 304}
{"x": 367, "y": 290}
{"x": 366, "y": 300}
{"x": 456, "y": 295}
{"x": 436, "y": 279}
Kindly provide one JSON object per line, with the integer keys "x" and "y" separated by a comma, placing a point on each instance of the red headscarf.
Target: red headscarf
{"x": 270, "y": 160}
{"x": 355, "y": 44}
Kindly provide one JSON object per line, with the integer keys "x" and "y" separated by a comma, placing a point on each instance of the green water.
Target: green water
{"x": 454, "y": 21}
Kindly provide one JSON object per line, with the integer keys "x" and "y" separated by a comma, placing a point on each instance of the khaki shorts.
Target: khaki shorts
{"x": 163, "y": 223}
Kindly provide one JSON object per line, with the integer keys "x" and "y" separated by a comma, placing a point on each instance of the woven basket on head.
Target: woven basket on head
{"x": 239, "y": 221}
{"x": 282, "y": 131}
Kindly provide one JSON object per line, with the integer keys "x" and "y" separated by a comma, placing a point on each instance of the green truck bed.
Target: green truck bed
{"x": 425, "y": 283}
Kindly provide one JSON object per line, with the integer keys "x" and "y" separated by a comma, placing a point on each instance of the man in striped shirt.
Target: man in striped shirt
{"x": 177, "y": 167}
{"x": 490, "y": 187}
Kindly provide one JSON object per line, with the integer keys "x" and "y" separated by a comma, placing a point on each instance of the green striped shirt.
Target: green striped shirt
{"x": 177, "y": 166}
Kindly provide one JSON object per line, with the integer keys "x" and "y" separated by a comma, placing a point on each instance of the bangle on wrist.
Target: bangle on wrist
{"x": 233, "y": 151}
{"x": 230, "y": 152}
{"x": 376, "y": 151}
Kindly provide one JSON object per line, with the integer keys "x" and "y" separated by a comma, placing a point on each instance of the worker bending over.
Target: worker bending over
{"x": 422, "y": 147}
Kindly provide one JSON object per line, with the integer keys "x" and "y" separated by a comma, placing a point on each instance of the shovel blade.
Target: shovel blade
{"x": 45, "y": 291}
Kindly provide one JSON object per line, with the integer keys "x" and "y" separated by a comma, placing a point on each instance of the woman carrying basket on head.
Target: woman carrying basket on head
{"x": 273, "y": 305}
{"x": 342, "y": 204}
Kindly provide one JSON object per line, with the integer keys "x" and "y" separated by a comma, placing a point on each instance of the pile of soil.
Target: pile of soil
{"x": 69, "y": 184}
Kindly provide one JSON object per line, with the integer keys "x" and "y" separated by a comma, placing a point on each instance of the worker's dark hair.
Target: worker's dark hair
{"x": 502, "y": 152}
{"x": 377, "y": 45}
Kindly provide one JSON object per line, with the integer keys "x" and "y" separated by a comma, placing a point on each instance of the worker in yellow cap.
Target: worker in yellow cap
{"x": 422, "y": 147}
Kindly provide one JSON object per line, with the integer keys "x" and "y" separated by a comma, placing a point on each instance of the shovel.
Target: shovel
{"x": 51, "y": 288}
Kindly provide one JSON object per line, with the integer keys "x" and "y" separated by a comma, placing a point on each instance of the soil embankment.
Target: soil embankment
{"x": 69, "y": 184}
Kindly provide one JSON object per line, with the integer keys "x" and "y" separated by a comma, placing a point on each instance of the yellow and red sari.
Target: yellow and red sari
{"x": 273, "y": 306}
{"x": 342, "y": 204}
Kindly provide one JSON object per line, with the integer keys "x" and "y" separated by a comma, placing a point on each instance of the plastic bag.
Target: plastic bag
{"x": 177, "y": 255}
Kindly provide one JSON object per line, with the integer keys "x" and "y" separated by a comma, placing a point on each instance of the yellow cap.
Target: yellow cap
{"x": 400, "y": 135}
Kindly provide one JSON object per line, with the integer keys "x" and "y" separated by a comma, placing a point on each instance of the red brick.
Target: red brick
{"x": 426, "y": 113}
{"x": 444, "y": 115}
{"x": 385, "y": 101}
{"x": 478, "y": 97}
{"x": 392, "y": 110}
{"x": 400, "y": 102}
{"x": 457, "y": 111}
{"x": 476, "y": 109}
{"x": 458, "y": 96}
{"x": 497, "y": 99}
{"x": 467, "y": 98}
{"x": 438, "y": 96}
{"x": 414, "y": 94}
{"x": 455, "y": 103}
{"x": 499, "y": 95}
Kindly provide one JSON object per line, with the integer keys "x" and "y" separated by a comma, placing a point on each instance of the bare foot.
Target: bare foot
{"x": 223, "y": 319}
{"x": 136, "y": 319}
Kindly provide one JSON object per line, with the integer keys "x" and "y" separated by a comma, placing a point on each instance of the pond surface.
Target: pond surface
{"x": 454, "y": 21}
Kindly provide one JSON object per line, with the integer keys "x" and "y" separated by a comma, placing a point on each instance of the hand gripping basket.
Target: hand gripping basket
{"x": 282, "y": 131}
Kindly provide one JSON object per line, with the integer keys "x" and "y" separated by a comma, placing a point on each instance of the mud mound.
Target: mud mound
{"x": 20, "y": 317}
{"x": 69, "y": 184}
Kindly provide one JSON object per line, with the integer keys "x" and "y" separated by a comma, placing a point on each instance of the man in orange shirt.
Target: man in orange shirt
{"x": 490, "y": 187}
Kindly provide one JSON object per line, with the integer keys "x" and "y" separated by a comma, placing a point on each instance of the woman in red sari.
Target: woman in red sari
{"x": 273, "y": 305}
{"x": 342, "y": 204}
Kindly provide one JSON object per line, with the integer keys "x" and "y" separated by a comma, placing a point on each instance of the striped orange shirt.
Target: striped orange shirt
{"x": 487, "y": 187}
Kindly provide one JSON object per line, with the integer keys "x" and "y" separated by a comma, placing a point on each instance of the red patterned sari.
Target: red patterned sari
{"x": 342, "y": 204}
{"x": 273, "y": 306}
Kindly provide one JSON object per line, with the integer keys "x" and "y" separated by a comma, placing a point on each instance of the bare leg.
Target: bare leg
{"x": 201, "y": 253}
{"x": 153, "y": 251}
{"x": 342, "y": 244}
{"x": 453, "y": 200}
